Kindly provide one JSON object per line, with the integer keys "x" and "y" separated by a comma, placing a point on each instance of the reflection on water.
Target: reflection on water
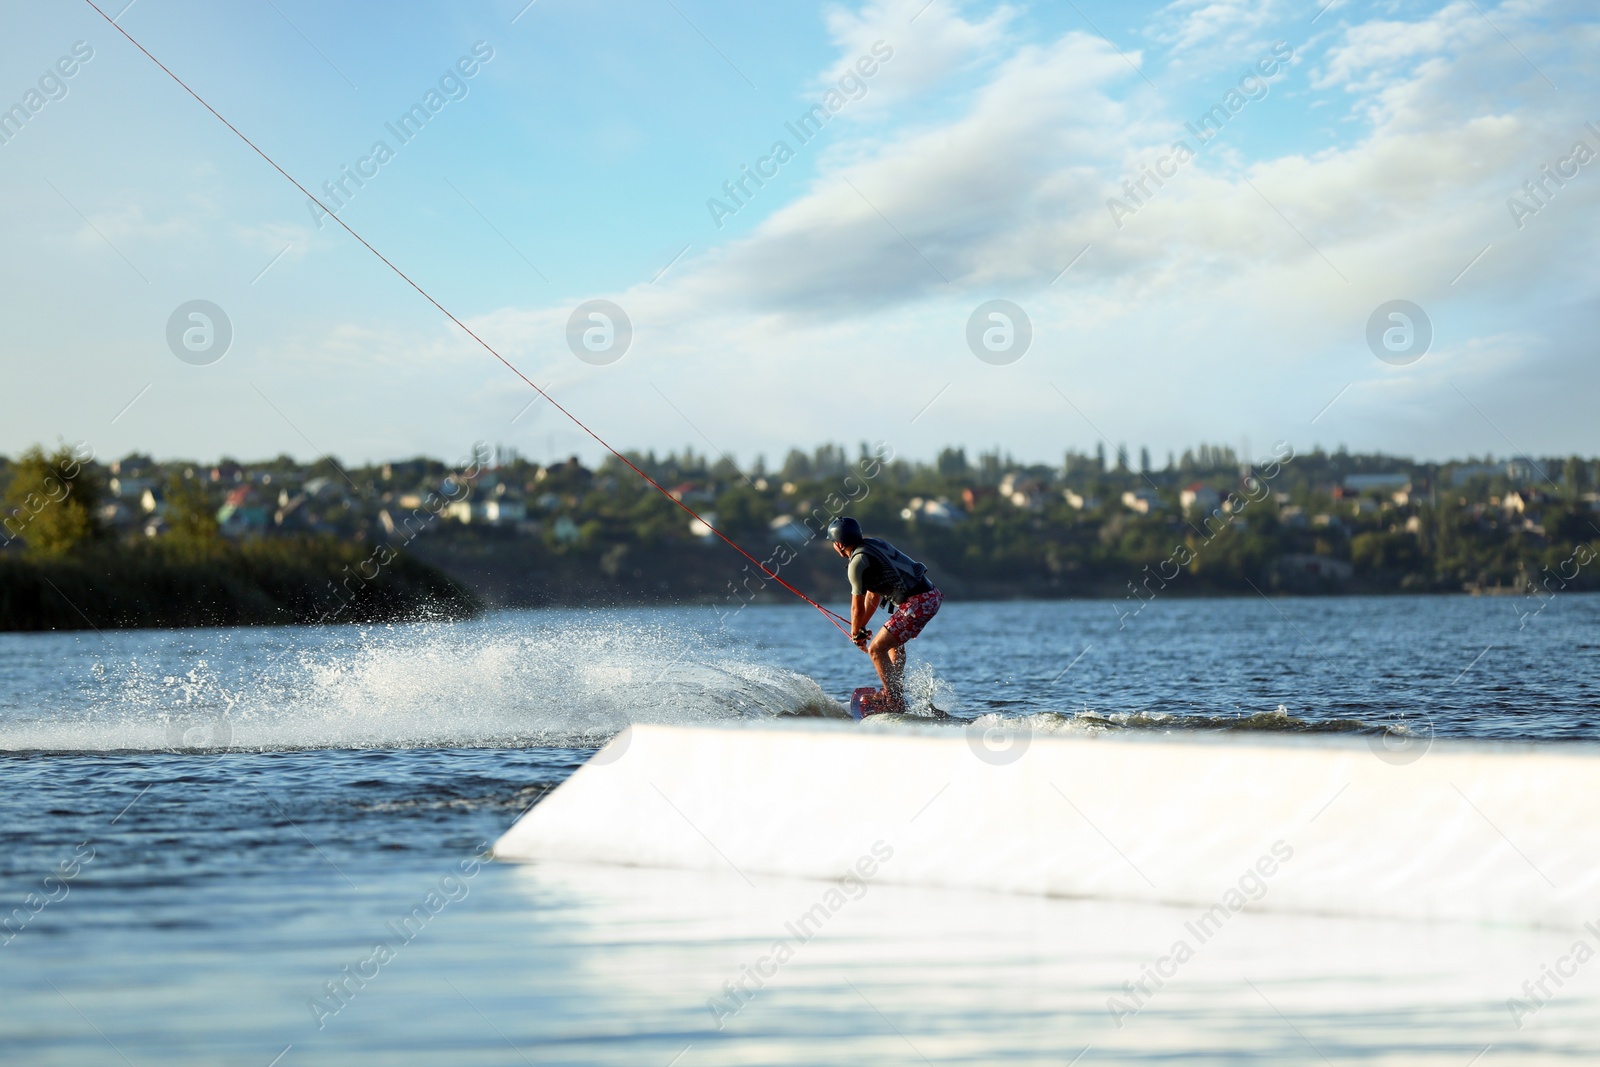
{"x": 894, "y": 975}
{"x": 900, "y": 976}
{"x": 561, "y": 964}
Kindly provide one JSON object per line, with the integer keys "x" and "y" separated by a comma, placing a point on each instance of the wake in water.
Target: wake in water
{"x": 1095, "y": 722}
{"x": 930, "y": 699}
{"x": 494, "y": 684}
{"x": 508, "y": 681}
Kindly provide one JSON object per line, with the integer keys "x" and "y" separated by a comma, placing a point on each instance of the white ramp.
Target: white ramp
{"x": 1335, "y": 826}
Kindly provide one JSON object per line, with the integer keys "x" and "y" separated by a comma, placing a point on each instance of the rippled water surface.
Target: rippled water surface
{"x": 204, "y": 829}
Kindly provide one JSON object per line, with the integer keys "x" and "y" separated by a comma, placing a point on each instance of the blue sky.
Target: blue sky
{"x": 975, "y": 164}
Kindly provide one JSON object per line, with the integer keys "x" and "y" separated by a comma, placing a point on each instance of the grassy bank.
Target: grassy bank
{"x": 222, "y": 584}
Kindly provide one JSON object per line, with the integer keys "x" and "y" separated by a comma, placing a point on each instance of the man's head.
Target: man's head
{"x": 845, "y": 533}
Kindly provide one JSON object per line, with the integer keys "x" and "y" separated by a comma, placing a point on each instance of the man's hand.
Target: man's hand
{"x": 861, "y": 609}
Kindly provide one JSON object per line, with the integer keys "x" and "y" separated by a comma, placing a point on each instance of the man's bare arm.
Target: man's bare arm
{"x": 861, "y": 611}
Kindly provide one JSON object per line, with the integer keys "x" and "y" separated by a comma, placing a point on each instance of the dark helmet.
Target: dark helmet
{"x": 845, "y": 531}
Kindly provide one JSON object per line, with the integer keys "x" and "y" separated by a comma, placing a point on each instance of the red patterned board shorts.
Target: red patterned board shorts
{"x": 909, "y": 618}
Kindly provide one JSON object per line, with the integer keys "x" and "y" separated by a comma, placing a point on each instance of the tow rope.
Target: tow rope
{"x": 838, "y": 620}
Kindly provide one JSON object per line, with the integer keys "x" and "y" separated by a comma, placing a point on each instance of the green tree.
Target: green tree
{"x": 1376, "y": 551}
{"x": 191, "y": 517}
{"x": 796, "y": 465}
{"x": 743, "y": 511}
{"x": 1575, "y": 477}
{"x": 51, "y": 503}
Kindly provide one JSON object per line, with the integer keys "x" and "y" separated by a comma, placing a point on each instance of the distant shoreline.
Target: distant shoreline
{"x": 281, "y": 583}
{"x": 507, "y": 532}
{"x": 515, "y": 573}
{"x": 316, "y": 581}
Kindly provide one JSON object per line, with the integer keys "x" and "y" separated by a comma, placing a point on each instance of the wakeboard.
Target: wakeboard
{"x": 869, "y": 700}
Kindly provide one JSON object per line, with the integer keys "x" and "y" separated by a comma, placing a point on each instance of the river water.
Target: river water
{"x": 208, "y": 832}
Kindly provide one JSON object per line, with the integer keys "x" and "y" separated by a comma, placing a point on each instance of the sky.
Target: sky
{"x": 1176, "y": 281}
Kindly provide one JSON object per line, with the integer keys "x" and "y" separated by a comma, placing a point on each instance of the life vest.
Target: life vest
{"x": 901, "y": 577}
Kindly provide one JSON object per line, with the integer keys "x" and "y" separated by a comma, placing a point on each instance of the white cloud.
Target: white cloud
{"x": 128, "y": 223}
{"x": 1215, "y": 25}
{"x": 1381, "y": 52}
{"x": 995, "y": 196}
{"x": 932, "y": 42}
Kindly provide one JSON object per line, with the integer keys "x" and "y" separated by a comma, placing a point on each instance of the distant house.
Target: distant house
{"x": 1141, "y": 500}
{"x": 785, "y": 528}
{"x": 1522, "y": 471}
{"x": 241, "y": 515}
{"x": 1467, "y": 471}
{"x": 565, "y": 530}
{"x": 689, "y": 493}
{"x": 292, "y": 513}
{"x": 1519, "y": 502}
{"x": 118, "y": 515}
{"x": 1201, "y": 498}
{"x": 409, "y": 472}
{"x": 227, "y": 471}
{"x": 1024, "y": 491}
{"x": 1293, "y": 517}
{"x": 1363, "y": 506}
{"x": 133, "y": 465}
{"x": 1029, "y": 495}
{"x": 498, "y": 507}
{"x": 499, "y": 511}
{"x": 1078, "y": 502}
{"x": 130, "y": 488}
{"x": 1380, "y": 483}
{"x": 938, "y": 512}
{"x": 1517, "y": 471}
{"x": 570, "y": 469}
{"x": 242, "y": 521}
{"x": 703, "y": 527}
{"x": 153, "y": 501}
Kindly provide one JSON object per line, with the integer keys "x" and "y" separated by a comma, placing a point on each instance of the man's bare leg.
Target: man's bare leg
{"x": 890, "y": 661}
{"x": 897, "y": 674}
